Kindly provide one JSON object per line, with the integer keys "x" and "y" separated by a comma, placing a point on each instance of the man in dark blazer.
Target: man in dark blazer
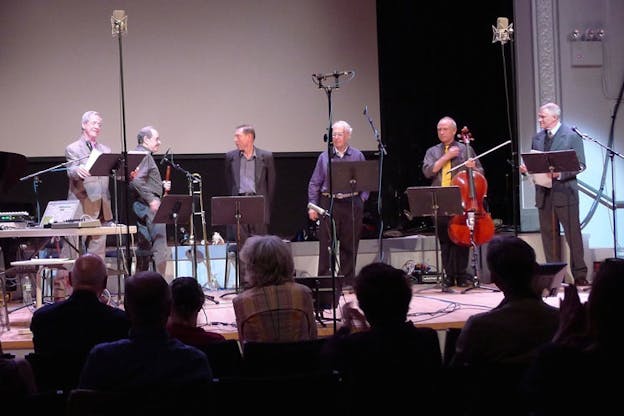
{"x": 69, "y": 329}
{"x": 250, "y": 171}
{"x": 560, "y": 204}
{"x": 91, "y": 191}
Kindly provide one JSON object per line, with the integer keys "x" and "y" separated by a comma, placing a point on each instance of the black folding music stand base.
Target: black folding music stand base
{"x": 173, "y": 210}
{"x": 435, "y": 201}
{"x": 239, "y": 210}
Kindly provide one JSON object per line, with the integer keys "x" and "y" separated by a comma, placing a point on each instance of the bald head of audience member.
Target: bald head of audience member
{"x": 512, "y": 265}
{"x": 147, "y": 300}
{"x": 88, "y": 273}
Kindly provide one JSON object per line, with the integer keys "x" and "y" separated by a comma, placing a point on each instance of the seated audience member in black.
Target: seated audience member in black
{"x": 64, "y": 332}
{"x": 149, "y": 359}
{"x": 380, "y": 350}
{"x": 571, "y": 374}
{"x": 514, "y": 330}
{"x": 187, "y": 300}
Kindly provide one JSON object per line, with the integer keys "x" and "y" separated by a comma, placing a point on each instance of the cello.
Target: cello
{"x": 475, "y": 226}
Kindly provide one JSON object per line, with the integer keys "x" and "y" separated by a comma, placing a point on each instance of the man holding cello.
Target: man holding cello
{"x": 439, "y": 160}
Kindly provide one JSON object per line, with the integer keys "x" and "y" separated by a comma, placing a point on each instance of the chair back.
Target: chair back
{"x": 277, "y": 325}
{"x": 267, "y": 359}
{"x": 224, "y": 357}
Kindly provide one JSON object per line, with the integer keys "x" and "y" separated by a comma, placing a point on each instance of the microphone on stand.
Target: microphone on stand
{"x": 576, "y": 130}
{"x": 165, "y": 159}
{"x": 503, "y": 31}
{"x": 321, "y": 211}
{"x": 335, "y": 74}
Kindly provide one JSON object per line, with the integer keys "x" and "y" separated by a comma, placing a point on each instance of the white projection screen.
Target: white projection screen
{"x": 195, "y": 69}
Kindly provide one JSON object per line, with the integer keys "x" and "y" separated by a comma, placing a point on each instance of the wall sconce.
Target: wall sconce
{"x": 589, "y": 35}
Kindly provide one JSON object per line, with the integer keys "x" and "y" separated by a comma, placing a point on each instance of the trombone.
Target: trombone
{"x": 196, "y": 190}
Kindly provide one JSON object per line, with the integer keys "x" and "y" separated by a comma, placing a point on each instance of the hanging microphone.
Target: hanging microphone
{"x": 335, "y": 74}
{"x": 365, "y": 110}
{"x": 503, "y": 31}
{"x": 322, "y": 212}
{"x": 164, "y": 159}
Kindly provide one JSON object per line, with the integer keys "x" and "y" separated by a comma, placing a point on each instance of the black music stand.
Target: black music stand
{"x": 321, "y": 287}
{"x": 108, "y": 163}
{"x": 550, "y": 162}
{"x": 174, "y": 209}
{"x": 350, "y": 177}
{"x": 548, "y": 278}
{"x": 435, "y": 201}
{"x": 229, "y": 210}
{"x": 555, "y": 161}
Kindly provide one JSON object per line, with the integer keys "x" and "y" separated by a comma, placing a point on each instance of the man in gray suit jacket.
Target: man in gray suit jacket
{"x": 560, "y": 204}
{"x": 92, "y": 191}
{"x": 250, "y": 171}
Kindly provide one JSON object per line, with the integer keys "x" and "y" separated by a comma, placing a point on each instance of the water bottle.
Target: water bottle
{"x": 27, "y": 290}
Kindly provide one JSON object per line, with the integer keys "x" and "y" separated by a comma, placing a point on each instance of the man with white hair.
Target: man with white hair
{"x": 91, "y": 191}
{"x": 347, "y": 210}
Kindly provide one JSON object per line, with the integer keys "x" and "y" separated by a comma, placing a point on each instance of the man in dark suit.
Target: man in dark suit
{"x": 91, "y": 191}
{"x": 250, "y": 171}
{"x": 559, "y": 204}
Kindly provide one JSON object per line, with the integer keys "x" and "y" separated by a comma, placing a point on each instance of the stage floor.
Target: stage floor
{"x": 430, "y": 307}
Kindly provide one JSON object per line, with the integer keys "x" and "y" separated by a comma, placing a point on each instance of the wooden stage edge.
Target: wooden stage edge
{"x": 430, "y": 307}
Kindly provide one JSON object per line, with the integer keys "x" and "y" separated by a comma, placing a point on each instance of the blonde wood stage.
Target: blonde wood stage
{"x": 430, "y": 307}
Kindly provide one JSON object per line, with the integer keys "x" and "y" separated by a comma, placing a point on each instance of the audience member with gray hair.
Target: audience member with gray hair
{"x": 273, "y": 307}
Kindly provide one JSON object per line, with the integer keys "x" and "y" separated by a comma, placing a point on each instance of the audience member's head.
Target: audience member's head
{"x": 147, "y": 299}
{"x": 604, "y": 311}
{"x": 187, "y": 298}
{"x": 88, "y": 273}
{"x": 512, "y": 265}
{"x": 383, "y": 293}
{"x": 268, "y": 261}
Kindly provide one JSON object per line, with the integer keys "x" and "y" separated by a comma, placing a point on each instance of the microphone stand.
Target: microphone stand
{"x": 328, "y": 138}
{"x": 382, "y": 152}
{"x": 612, "y": 153}
{"x": 37, "y": 181}
{"x": 191, "y": 180}
{"x": 119, "y": 26}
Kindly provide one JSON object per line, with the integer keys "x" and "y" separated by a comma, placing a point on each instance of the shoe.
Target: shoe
{"x": 464, "y": 283}
{"x": 581, "y": 282}
{"x": 448, "y": 282}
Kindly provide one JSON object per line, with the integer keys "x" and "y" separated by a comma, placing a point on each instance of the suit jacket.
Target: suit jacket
{"x": 77, "y": 324}
{"x": 564, "y": 190}
{"x": 265, "y": 176}
{"x": 92, "y": 188}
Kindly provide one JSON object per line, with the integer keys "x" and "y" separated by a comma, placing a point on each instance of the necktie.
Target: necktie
{"x": 548, "y": 140}
{"x": 446, "y": 177}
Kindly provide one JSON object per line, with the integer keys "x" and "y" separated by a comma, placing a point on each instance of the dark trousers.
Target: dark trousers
{"x": 454, "y": 257}
{"x": 151, "y": 240}
{"x": 568, "y": 216}
{"x": 347, "y": 214}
